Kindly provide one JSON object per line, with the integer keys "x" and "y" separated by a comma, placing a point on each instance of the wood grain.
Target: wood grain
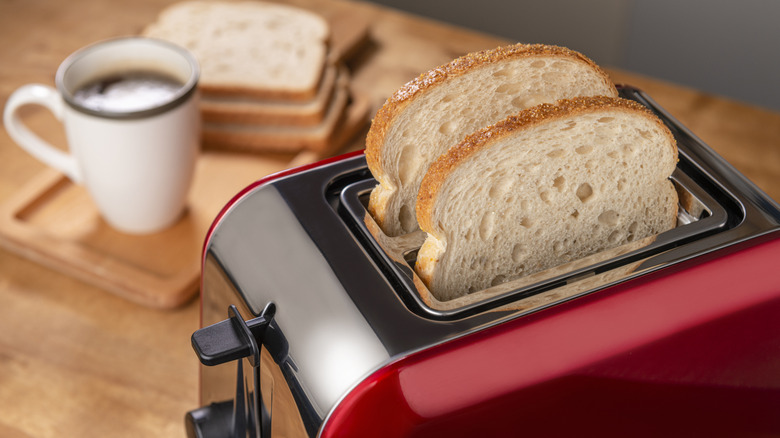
{"x": 53, "y": 221}
{"x": 78, "y": 361}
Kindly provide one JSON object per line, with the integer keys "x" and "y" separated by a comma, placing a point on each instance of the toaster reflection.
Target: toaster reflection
{"x": 329, "y": 354}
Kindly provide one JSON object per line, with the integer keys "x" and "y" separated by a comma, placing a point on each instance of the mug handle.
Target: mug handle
{"x": 47, "y": 97}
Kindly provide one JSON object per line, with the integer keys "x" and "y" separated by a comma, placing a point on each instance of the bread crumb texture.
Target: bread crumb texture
{"x": 549, "y": 185}
{"x": 255, "y": 48}
{"x": 439, "y": 108}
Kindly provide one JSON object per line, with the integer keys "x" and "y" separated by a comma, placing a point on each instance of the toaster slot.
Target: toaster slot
{"x": 699, "y": 215}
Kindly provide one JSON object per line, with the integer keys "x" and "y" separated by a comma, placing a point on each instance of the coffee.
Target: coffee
{"x": 128, "y": 92}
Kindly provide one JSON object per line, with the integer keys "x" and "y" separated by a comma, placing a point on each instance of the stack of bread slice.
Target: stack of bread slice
{"x": 517, "y": 160}
{"x": 270, "y": 81}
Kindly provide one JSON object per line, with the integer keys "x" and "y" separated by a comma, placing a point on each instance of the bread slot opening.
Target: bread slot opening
{"x": 698, "y": 215}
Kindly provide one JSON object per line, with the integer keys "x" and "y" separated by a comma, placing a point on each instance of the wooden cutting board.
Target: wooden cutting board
{"x": 54, "y": 222}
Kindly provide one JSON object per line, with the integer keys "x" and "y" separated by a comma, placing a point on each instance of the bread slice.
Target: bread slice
{"x": 549, "y": 185}
{"x": 253, "y": 48}
{"x": 251, "y": 110}
{"x": 439, "y": 108}
{"x": 345, "y": 116}
{"x": 287, "y": 138}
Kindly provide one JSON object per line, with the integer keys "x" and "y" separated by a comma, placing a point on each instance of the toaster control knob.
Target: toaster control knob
{"x": 233, "y": 338}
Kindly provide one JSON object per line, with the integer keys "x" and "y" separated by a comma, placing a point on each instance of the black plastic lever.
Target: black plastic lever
{"x": 233, "y": 338}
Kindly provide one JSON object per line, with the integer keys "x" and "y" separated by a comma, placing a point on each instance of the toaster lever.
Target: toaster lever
{"x": 233, "y": 338}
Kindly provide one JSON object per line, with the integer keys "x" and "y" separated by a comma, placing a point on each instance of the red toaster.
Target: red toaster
{"x": 314, "y": 323}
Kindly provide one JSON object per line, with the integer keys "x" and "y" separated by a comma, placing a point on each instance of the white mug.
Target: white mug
{"x": 136, "y": 162}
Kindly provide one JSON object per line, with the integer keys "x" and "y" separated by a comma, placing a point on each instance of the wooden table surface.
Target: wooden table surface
{"x": 77, "y": 361}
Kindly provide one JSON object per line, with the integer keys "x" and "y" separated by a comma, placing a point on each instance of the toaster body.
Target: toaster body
{"x": 314, "y": 323}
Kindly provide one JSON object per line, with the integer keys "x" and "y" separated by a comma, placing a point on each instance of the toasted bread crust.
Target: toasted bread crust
{"x": 396, "y": 103}
{"x": 444, "y": 165}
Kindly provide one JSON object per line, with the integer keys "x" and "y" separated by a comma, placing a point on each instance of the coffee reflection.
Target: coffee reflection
{"x": 136, "y": 91}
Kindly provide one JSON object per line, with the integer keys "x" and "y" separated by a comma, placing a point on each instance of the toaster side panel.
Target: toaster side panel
{"x": 687, "y": 351}
{"x": 319, "y": 341}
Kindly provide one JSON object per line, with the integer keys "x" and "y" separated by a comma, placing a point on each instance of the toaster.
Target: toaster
{"x": 313, "y": 322}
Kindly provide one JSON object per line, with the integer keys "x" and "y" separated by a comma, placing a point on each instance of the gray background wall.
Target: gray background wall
{"x": 727, "y": 47}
